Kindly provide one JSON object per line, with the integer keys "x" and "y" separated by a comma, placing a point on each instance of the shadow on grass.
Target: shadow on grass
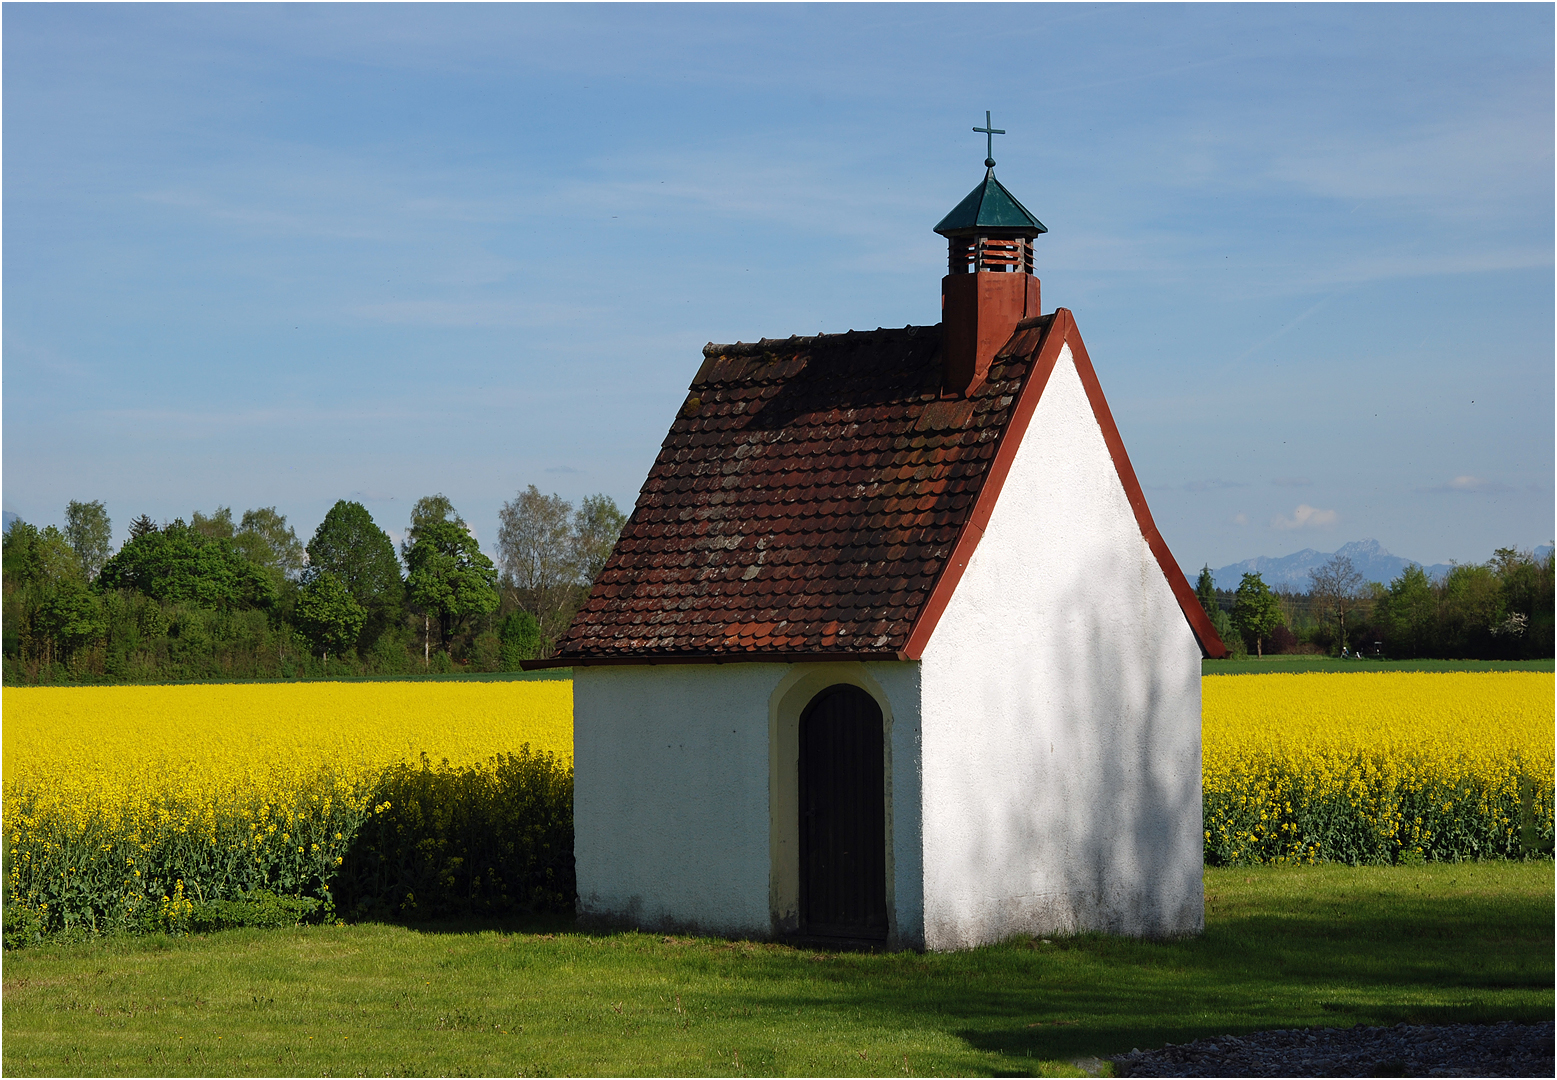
{"x": 1330, "y": 948}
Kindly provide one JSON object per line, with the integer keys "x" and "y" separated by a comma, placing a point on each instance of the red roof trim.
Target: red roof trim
{"x": 1005, "y": 452}
{"x": 1210, "y": 642}
{"x": 1061, "y": 331}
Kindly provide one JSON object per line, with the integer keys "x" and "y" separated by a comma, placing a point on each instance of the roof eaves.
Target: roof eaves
{"x": 659, "y": 659}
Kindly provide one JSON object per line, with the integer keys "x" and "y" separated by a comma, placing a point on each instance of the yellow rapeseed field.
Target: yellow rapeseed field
{"x": 124, "y": 805}
{"x": 1377, "y": 766}
{"x": 90, "y": 749}
{"x": 258, "y": 784}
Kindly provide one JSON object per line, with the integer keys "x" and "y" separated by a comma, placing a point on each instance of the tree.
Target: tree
{"x": 141, "y": 526}
{"x": 596, "y": 528}
{"x": 56, "y": 612}
{"x": 1527, "y": 588}
{"x": 551, "y": 554}
{"x": 1205, "y": 590}
{"x": 1222, "y": 623}
{"x": 328, "y": 614}
{"x": 1256, "y": 611}
{"x": 534, "y": 545}
{"x": 218, "y": 526}
{"x": 267, "y": 541}
{"x": 90, "y": 534}
{"x": 1469, "y": 606}
{"x": 1337, "y": 589}
{"x": 176, "y": 564}
{"x": 449, "y": 576}
{"x": 34, "y": 556}
{"x": 428, "y": 510}
{"x": 520, "y": 635}
{"x": 349, "y": 545}
{"x": 1408, "y": 612}
{"x": 70, "y": 616}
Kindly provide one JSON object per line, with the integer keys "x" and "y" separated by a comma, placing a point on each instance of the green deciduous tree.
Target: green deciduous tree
{"x": 71, "y": 616}
{"x": 520, "y": 635}
{"x": 551, "y": 554}
{"x": 267, "y": 540}
{"x": 177, "y": 564}
{"x": 534, "y": 545}
{"x": 1408, "y": 613}
{"x": 427, "y": 510}
{"x": 1470, "y": 605}
{"x": 217, "y": 526}
{"x": 449, "y": 577}
{"x": 49, "y": 610}
{"x": 328, "y": 615}
{"x": 1256, "y": 610}
{"x": 90, "y": 534}
{"x": 37, "y": 556}
{"x": 596, "y": 528}
{"x": 351, "y": 546}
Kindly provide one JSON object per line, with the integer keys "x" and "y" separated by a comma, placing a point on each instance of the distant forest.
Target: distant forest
{"x": 1498, "y": 610}
{"x": 216, "y": 597}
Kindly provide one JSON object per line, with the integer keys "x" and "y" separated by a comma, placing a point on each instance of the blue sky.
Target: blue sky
{"x": 283, "y": 255}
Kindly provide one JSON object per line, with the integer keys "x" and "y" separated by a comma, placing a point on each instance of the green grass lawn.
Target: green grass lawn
{"x": 1325, "y": 946}
{"x": 1267, "y": 665}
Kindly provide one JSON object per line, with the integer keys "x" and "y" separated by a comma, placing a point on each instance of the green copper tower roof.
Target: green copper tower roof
{"x": 990, "y": 209}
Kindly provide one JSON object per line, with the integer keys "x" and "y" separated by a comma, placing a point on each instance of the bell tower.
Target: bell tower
{"x": 989, "y": 285}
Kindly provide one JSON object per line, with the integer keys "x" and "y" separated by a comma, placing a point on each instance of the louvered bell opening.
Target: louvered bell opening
{"x": 989, "y": 255}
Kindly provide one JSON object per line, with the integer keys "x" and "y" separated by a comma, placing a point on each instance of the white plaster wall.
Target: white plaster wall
{"x": 674, "y": 794}
{"x": 670, "y": 800}
{"x": 1061, "y": 711}
{"x": 905, "y": 774}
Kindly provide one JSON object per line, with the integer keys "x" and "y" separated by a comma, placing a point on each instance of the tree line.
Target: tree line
{"x": 1498, "y": 610}
{"x": 219, "y": 597}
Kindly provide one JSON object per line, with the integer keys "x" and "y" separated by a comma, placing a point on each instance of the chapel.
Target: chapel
{"x": 890, "y": 651}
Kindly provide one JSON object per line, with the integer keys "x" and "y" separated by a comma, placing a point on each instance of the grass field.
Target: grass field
{"x": 1310, "y": 946}
{"x": 1293, "y": 664}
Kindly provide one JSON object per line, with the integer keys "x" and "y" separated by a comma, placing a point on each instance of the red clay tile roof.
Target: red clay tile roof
{"x": 809, "y": 498}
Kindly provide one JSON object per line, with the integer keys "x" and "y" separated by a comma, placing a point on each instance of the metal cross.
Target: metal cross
{"x": 989, "y": 134}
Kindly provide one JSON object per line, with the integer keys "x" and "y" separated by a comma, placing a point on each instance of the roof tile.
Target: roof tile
{"x": 807, "y": 502}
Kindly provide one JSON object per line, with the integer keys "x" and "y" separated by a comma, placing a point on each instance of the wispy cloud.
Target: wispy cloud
{"x": 1213, "y": 485}
{"x": 1291, "y": 481}
{"x": 1449, "y": 167}
{"x": 1467, "y": 485}
{"x": 564, "y": 470}
{"x": 1305, "y": 517}
{"x": 1280, "y": 332}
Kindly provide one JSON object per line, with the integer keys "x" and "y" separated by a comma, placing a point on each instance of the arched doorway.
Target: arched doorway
{"x": 843, "y": 859}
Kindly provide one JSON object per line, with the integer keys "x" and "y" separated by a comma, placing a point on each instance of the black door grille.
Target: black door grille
{"x": 843, "y": 836}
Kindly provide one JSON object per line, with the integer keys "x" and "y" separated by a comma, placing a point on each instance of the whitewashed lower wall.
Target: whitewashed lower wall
{"x": 675, "y": 790}
{"x": 670, "y": 803}
{"x": 1061, "y": 705}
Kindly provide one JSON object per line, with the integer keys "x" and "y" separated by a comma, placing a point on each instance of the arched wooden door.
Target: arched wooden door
{"x": 843, "y": 834}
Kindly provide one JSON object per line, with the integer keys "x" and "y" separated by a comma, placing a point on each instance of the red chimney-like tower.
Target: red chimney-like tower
{"x": 989, "y": 285}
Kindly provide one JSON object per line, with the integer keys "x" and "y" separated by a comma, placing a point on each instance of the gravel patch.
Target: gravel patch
{"x": 1505, "y": 1049}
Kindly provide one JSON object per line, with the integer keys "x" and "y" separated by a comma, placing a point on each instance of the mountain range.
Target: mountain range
{"x": 1368, "y": 556}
